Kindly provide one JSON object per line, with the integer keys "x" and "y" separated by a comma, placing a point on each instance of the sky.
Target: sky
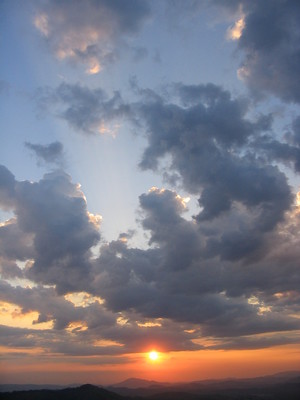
{"x": 149, "y": 189}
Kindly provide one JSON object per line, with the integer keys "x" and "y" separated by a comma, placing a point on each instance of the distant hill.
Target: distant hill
{"x": 288, "y": 382}
{"x": 135, "y": 383}
{"x": 283, "y": 386}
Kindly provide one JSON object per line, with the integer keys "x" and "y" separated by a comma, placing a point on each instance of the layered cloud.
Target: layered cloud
{"x": 90, "y": 33}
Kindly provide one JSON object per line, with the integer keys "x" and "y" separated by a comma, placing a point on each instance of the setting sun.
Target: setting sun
{"x": 153, "y": 355}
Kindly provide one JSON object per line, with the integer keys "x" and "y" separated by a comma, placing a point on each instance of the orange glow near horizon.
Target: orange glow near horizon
{"x": 181, "y": 366}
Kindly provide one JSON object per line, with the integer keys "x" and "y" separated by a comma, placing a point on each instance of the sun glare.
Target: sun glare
{"x": 153, "y": 355}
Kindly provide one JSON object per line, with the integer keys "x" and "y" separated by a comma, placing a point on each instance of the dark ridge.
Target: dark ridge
{"x": 10, "y": 387}
{"x": 84, "y": 392}
{"x": 275, "y": 387}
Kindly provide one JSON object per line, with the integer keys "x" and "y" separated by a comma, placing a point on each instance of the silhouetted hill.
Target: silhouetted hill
{"x": 7, "y": 387}
{"x": 85, "y": 392}
{"x": 275, "y": 387}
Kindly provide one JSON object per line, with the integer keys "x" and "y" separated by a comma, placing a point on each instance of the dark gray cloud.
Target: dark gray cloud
{"x": 257, "y": 342}
{"x": 280, "y": 151}
{"x": 14, "y": 243}
{"x": 296, "y": 131}
{"x": 79, "y": 330}
{"x": 285, "y": 150}
{"x": 53, "y": 232}
{"x": 181, "y": 281}
{"x": 16, "y": 337}
{"x": 49, "y": 153}
{"x": 173, "y": 294}
{"x": 230, "y": 273}
{"x": 53, "y": 212}
{"x": 91, "y": 33}
{"x": 217, "y": 275}
{"x": 88, "y": 111}
{"x": 270, "y": 44}
{"x": 206, "y": 135}
{"x": 9, "y": 269}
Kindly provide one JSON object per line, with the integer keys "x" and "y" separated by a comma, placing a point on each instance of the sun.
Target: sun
{"x": 153, "y": 355}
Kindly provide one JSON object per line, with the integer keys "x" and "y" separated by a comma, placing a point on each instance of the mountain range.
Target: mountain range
{"x": 283, "y": 386}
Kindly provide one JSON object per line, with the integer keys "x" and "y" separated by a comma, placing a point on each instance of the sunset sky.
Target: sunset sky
{"x": 149, "y": 189}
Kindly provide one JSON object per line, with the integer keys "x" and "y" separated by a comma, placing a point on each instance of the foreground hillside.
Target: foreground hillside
{"x": 85, "y": 392}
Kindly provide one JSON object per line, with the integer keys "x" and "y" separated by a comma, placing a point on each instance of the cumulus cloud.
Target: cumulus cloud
{"x": 49, "y": 153}
{"x": 175, "y": 293}
{"x": 179, "y": 280}
{"x": 268, "y": 35}
{"x": 88, "y": 111}
{"x": 218, "y": 272}
{"x": 228, "y": 277}
{"x": 207, "y": 136}
{"x": 14, "y": 243}
{"x": 53, "y": 212}
{"x": 285, "y": 150}
{"x": 90, "y": 33}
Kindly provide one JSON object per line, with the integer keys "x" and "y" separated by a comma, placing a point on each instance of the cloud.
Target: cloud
{"x": 180, "y": 280}
{"x": 90, "y": 33}
{"x": 9, "y": 269}
{"x": 90, "y": 330}
{"x": 175, "y": 293}
{"x": 285, "y": 150}
{"x": 206, "y": 136}
{"x": 53, "y": 233}
{"x": 228, "y": 277}
{"x": 14, "y": 243}
{"x": 49, "y": 153}
{"x": 89, "y": 111}
{"x": 53, "y": 211}
{"x": 269, "y": 41}
{"x": 257, "y": 342}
